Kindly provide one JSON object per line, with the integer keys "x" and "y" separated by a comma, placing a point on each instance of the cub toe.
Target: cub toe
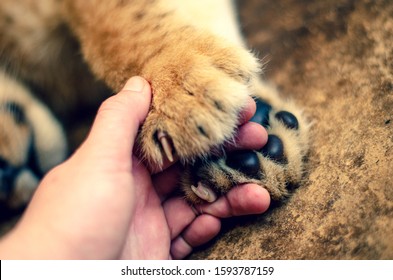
{"x": 244, "y": 161}
{"x": 288, "y": 119}
{"x": 274, "y": 149}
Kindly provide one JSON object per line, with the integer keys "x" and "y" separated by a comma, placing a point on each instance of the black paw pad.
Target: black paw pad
{"x": 274, "y": 149}
{"x": 261, "y": 115}
{"x": 246, "y": 162}
{"x": 288, "y": 119}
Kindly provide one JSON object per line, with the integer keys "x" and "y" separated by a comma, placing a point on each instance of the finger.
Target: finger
{"x": 179, "y": 215}
{"x": 242, "y": 200}
{"x": 118, "y": 119}
{"x": 250, "y": 136}
{"x": 248, "y": 111}
{"x": 200, "y": 231}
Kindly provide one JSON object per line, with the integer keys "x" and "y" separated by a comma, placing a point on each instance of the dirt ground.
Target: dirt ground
{"x": 335, "y": 58}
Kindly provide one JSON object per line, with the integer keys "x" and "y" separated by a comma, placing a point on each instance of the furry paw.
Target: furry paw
{"x": 277, "y": 166}
{"x": 199, "y": 90}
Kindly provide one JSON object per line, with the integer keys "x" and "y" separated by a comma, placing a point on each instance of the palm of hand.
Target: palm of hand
{"x": 148, "y": 236}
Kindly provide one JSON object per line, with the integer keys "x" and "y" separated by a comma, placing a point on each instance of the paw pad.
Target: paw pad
{"x": 261, "y": 115}
{"x": 288, "y": 119}
{"x": 246, "y": 162}
{"x": 274, "y": 149}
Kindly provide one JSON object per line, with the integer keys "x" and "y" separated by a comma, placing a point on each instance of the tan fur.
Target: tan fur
{"x": 37, "y": 46}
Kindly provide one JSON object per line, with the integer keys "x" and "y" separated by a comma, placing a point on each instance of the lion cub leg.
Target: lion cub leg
{"x": 200, "y": 81}
{"x": 201, "y": 76}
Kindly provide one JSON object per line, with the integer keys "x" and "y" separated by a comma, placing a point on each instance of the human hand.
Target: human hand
{"x": 103, "y": 203}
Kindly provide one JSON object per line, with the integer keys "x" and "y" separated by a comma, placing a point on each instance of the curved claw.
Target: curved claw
{"x": 204, "y": 192}
{"x": 166, "y": 145}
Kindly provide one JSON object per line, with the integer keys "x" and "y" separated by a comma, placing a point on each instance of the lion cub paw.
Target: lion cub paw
{"x": 278, "y": 166}
{"x": 198, "y": 94}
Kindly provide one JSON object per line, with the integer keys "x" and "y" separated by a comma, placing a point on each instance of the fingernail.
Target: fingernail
{"x": 135, "y": 84}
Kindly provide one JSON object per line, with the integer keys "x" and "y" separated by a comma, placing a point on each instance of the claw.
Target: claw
{"x": 166, "y": 145}
{"x": 204, "y": 192}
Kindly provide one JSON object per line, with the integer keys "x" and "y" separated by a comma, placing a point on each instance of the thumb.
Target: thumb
{"x": 118, "y": 119}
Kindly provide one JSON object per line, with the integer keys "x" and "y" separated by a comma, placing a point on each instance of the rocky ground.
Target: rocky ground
{"x": 335, "y": 58}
